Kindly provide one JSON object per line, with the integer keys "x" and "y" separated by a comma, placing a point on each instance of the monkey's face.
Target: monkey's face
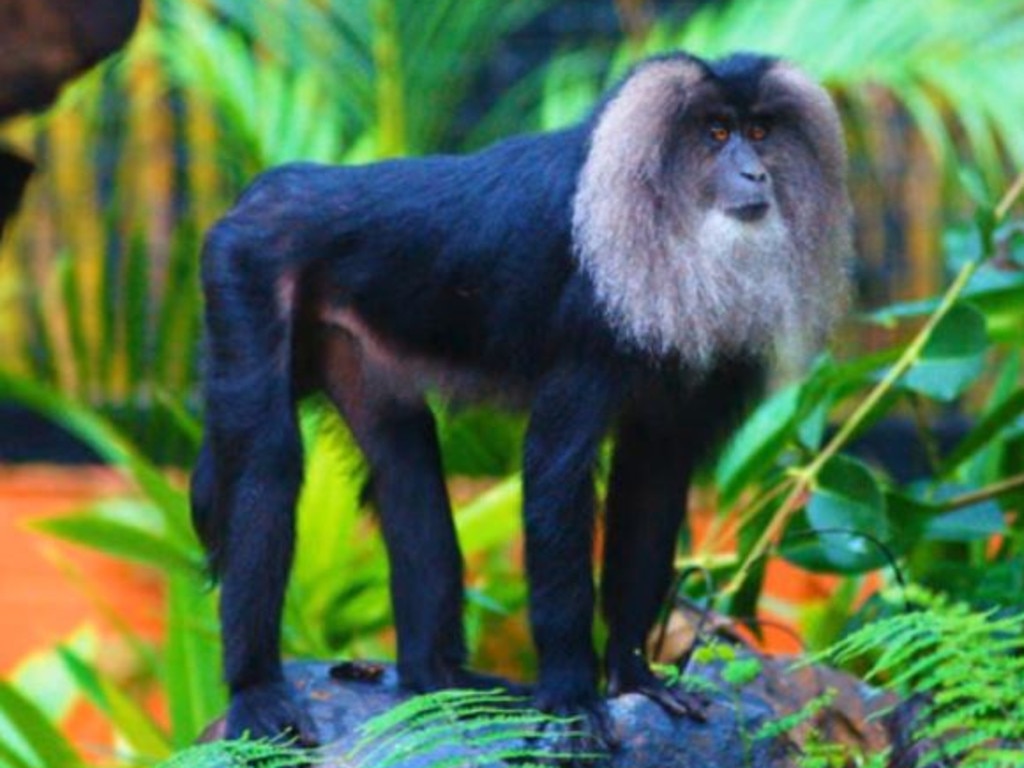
{"x": 738, "y": 181}
{"x": 753, "y": 143}
{"x": 711, "y": 213}
{"x": 733, "y": 178}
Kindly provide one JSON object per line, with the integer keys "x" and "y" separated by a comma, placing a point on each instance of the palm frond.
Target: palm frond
{"x": 953, "y": 64}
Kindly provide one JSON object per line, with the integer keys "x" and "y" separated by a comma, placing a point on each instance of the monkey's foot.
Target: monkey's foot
{"x": 269, "y": 711}
{"x": 577, "y": 735}
{"x": 674, "y": 699}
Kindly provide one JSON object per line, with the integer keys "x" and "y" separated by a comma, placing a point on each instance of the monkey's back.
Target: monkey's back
{"x": 450, "y": 258}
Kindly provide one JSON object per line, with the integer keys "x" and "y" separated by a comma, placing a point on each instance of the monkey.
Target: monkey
{"x": 637, "y": 275}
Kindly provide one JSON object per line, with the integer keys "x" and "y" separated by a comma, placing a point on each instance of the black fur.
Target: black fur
{"x": 462, "y": 265}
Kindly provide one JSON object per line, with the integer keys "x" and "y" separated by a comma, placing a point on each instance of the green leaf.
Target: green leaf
{"x": 480, "y": 441}
{"x": 127, "y": 717}
{"x": 977, "y": 522}
{"x": 11, "y": 759}
{"x": 136, "y": 308}
{"x": 192, "y": 668}
{"x": 755, "y": 446}
{"x": 917, "y": 520}
{"x": 69, "y": 275}
{"x": 953, "y": 356}
{"x": 846, "y": 502}
{"x": 741, "y": 672}
{"x": 492, "y": 518}
{"x": 39, "y": 734}
{"x": 985, "y": 431}
{"x": 745, "y": 601}
{"x": 106, "y": 440}
{"x": 122, "y": 539}
{"x": 975, "y": 186}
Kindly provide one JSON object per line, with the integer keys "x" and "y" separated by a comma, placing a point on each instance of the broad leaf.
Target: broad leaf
{"x": 1003, "y": 417}
{"x": 122, "y": 538}
{"x": 47, "y": 745}
{"x": 758, "y": 441}
{"x": 127, "y": 717}
{"x": 917, "y": 520}
{"x": 952, "y": 358}
{"x": 846, "y": 511}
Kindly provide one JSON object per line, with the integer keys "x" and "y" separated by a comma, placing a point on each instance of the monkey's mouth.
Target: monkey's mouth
{"x": 748, "y": 212}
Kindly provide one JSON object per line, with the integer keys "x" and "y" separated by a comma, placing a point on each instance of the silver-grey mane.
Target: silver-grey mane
{"x": 702, "y": 286}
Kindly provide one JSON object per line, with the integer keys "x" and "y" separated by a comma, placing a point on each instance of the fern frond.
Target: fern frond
{"x": 967, "y": 669}
{"x": 243, "y": 753}
{"x": 483, "y": 727}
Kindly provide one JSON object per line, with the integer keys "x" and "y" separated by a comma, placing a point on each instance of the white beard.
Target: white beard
{"x": 729, "y": 289}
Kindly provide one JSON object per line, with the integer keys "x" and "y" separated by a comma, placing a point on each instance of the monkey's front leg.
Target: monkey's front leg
{"x": 566, "y": 427}
{"x": 645, "y": 507}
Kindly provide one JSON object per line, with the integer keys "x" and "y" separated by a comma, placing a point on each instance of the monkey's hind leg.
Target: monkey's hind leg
{"x": 249, "y": 475}
{"x": 398, "y": 437}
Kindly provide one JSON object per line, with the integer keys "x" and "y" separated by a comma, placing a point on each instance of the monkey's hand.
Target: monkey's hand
{"x": 579, "y": 734}
{"x": 269, "y": 711}
{"x": 635, "y": 676}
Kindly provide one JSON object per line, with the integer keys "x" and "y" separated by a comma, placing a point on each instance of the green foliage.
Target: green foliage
{"x": 445, "y": 729}
{"x": 36, "y": 742}
{"x": 153, "y": 531}
{"x": 953, "y": 357}
{"x": 391, "y": 73}
{"x": 487, "y": 727}
{"x": 127, "y": 716}
{"x": 243, "y": 753}
{"x": 964, "y": 667}
{"x": 737, "y": 670}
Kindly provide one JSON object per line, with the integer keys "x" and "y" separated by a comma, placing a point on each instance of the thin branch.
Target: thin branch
{"x": 993, "y": 491}
{"x": 1011, "y": 196}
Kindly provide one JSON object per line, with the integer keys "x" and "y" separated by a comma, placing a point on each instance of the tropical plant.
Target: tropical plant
{"x": 144, "y": 153}
{"x": 959, "y": 672}
{"x": 153, "y": 530}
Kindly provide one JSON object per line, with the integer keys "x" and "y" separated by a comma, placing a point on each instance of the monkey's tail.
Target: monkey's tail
{"x": 249, "y": 470}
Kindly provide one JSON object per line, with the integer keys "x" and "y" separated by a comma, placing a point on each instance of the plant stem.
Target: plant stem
{"x": 1011, "y": 197}
{"x": 992, "y": 491}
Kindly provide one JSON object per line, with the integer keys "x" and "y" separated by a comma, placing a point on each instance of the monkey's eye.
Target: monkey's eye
{"x": 719, "y": 132}
{"x": 757, "y": 132}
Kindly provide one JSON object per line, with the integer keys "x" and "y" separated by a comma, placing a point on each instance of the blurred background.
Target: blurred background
{"x": 108, "y": 639}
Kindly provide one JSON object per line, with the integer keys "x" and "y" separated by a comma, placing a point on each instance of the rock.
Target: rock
{"x": 649, "y": 738}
